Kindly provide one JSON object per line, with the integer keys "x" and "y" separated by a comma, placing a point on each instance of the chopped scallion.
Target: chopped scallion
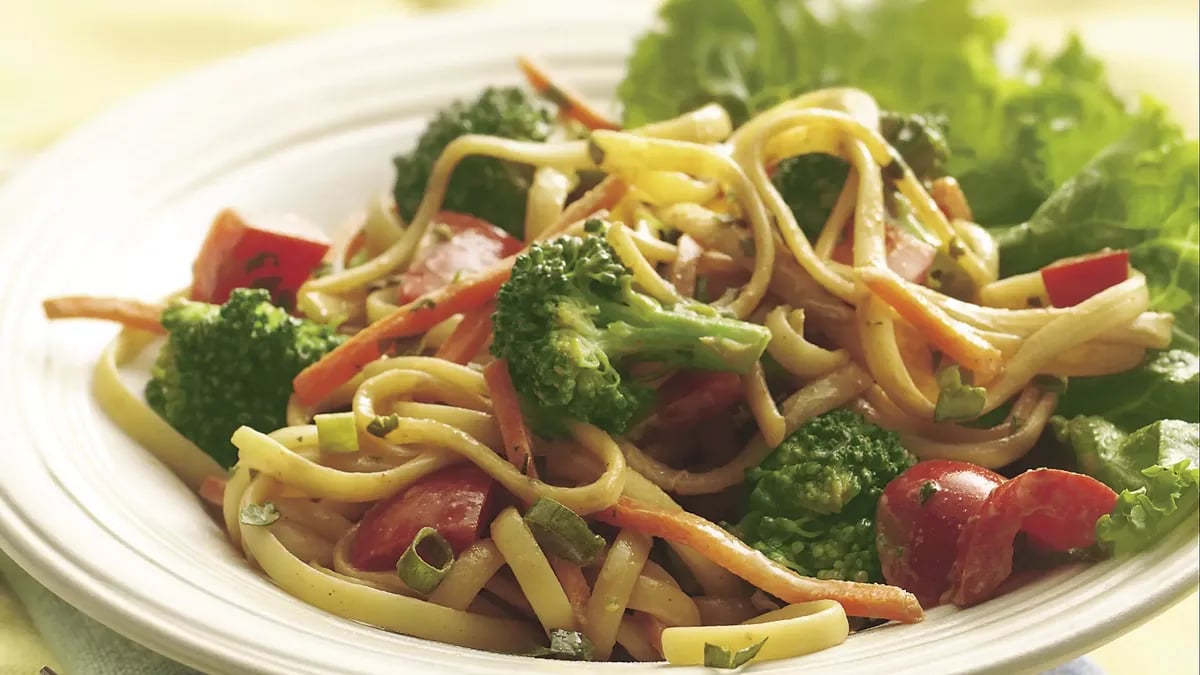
{"x": 253, "y": 514}
{"x": 336, "y": 432}
{"x": 566, "y": 645}
{"x": 561, "y": 532}
{"x": 423, "y": 566}
{"x": 383, "y": 425}
{"x": 957, "y": 400}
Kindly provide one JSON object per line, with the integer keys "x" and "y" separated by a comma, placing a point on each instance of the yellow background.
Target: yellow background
{"x": 62, "y": 61}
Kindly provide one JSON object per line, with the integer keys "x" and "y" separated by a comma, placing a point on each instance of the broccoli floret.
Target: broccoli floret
{"x": 810, "y": 184}
{"x": 481, "y": 186}
{"x": 225, "y": 366}
{"x": 812, "y": 501}
{"x": 569, "y": 323}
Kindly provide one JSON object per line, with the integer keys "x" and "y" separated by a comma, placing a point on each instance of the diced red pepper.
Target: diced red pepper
{"x": 467, "y": 244}
{"x": 236, "y": 254}
{"x": 1057, "y": 509}
{"x": 907, "y": 256}
{"x": 691, "y": 397}
{"x": 1072, "y": 280}
{"x": 459, "y": 502}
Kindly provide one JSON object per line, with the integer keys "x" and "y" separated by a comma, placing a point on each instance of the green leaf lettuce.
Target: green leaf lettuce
{"x": 1156, "y": 470}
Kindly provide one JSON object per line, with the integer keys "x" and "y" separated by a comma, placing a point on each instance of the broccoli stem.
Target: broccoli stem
{"x": 681, "y": 337}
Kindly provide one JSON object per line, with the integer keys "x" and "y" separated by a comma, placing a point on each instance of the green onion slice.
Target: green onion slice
{"x": 716, "y": 656}
{"x": 336, "y": 432}
{"x": 566, "y": 645}
{"x": 253, "y": 514}
{"x": 957, "y": 400}
{"x": 561, "y": 532}
{"x": 422, "y": 568}
{"x": 383, "y": 425}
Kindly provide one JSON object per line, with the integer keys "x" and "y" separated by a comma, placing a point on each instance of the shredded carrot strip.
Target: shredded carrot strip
{"x": 949, "y": 197}
{"x": 212, "y": 490}
{"x": 571, "y": 103}
{"x": 605, "y": 195}
{"x": 128, "y": 313}
{"x": 652, "y": 628}
{"x": 721, "y": 547}
{"x": 319, "y": 380}
{"x": 954, "y": 338}
{"x": 469, "y": 336}
{"x": 574, "y": 585}
{"x": 518, "y": 444}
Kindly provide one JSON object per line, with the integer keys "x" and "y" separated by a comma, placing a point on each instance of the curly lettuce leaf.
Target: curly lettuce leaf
{"x": 1144, "y": 515}
{"x": 751, "y": 54}
{"x": 1014, "y": 136}
{"x": 1156, "y": 469}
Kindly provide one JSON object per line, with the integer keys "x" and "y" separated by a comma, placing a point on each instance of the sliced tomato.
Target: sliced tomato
{"x": 278, "y": 254}
{"x": 693, "y": 396}
{"x": 1057, "y": 509}
{"x": 907, "y": 256}
{"x": 1072, "y": 280}
{"x": 461, "y": 244}
{"x": 459, "y": 502}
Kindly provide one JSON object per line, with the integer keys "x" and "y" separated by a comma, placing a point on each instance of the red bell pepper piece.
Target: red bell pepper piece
{"x": 1072, "y": 280}
{"x": 459, "y": 502}
{"x": 236, "y": 254}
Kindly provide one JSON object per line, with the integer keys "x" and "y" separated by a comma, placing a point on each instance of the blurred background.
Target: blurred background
{"x": 63, "y": 61}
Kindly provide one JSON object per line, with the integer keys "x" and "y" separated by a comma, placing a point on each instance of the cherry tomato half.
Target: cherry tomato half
{"x": 918, "y": 521}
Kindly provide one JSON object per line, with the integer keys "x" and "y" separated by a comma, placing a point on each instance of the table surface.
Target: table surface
{"x": 63, "y": 61}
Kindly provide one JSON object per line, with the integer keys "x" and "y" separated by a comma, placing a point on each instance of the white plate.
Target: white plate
{"x": 120, "y": 208}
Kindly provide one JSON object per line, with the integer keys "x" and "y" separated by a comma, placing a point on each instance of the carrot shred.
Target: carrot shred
{"x": 469, "y": 336}
{"x": 128, "y": 313}
{"x": 571, "y": 104}
{"x": 212, "y": 490}
{"x": 721, "y": 547}
{"x": 949, "y": 197}
{"x": 574, "y": 585}
{"x": 518, "y": 444}
{"x": 954, "y": 338}
{"x": 605, "y": 195}
{"x": 319, "y": 380}
{"x": 652, "y": 628}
